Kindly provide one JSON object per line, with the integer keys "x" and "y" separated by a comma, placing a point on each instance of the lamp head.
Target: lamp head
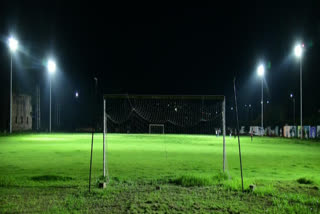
{"x": 51, "y": 66}
{"x": 13, "y": 44}
{"x": 260, "y": 70}
{"x": 298, "y": 51}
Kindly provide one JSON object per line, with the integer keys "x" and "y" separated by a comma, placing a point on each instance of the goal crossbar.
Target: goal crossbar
{"x": 207, "y": 97}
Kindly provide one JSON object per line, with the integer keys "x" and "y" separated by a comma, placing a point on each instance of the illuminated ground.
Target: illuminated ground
{"x": 165, "y": 173}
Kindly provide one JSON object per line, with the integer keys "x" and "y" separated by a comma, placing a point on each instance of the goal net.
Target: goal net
{"x": 169, "y": 114}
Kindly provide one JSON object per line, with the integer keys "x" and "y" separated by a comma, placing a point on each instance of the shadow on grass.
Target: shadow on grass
{"x": 304, "y": 181}
{"x": 51, "y": 178}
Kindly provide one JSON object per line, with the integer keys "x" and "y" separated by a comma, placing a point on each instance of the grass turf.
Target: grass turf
{"x": 158, "y": 173}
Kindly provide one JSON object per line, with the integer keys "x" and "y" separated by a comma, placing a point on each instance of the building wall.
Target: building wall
{"x": 21, "y": 113}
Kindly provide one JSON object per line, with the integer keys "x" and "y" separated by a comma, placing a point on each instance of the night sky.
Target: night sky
{"x": 162, "y": 49}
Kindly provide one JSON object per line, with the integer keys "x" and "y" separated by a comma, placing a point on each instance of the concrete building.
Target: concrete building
{"x": 21, "y": 113}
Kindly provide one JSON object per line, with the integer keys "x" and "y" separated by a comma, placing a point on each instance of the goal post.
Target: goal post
{"x": 182, "y": 114}
{"x": 158, "y": 127}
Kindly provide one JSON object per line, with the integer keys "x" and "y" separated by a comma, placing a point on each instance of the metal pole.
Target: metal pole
{"x": 50, "y": 106}
{"x": 301, "y": 97}
{"x": 10, "y": 123}
{"x": 262, "y": 103}
{"x": 238, "y": 131}
{"x": 104, "y": 138}
{"x": 294, "y": 111}
{"x": 224, "y": 132}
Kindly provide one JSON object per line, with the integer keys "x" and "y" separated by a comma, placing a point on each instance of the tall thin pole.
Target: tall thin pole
{"x": 294, "y": 111}
{"x": 10, "y": 123}
{"x": 90, "y": 170}
{"x": 262, "y": 102}
{"x": 104, "y": 138}
{"x": 301, "y": 98}
{"x": 224, "y": 132}
{"x": 50, "y": 106}
{"x": 237, "y": 117}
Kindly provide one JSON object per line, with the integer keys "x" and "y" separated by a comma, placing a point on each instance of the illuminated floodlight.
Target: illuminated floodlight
{"x": 77, "y": 94}
{"x": 13, "y": 44}
{"x": 51, "y": 66}
{"x": 291, "y": 95}
{"x": 298, "y": 51}
{"x": 260, "y": 70}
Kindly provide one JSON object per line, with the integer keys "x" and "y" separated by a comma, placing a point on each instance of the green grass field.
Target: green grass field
{"x": 48, "y": 173}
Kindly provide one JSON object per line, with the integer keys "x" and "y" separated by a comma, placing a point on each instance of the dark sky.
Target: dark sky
{"x": 161, "y": 49}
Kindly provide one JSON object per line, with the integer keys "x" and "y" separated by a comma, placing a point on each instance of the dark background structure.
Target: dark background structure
{"x": 162, "y": 49}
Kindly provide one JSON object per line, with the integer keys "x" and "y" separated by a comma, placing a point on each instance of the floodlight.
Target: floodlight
{"x": 291, "y": 95}
{"x": 298, "y": 51}
{"x": 77, "y": 94}
{"x": 260, "y": 70}
{"x": 13, "y": 44}
{"x": 51, "y": 66}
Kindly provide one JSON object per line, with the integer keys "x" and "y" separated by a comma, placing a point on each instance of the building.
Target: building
{"x": 21, "y": 112}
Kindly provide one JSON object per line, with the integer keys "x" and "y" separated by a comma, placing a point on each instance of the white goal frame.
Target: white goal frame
{"x": 156, "y": 125}
{"x": 222, "y": 98}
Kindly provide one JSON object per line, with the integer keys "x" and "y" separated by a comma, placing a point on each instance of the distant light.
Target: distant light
{"x": 298, "y": 51}
{"x": 303, "y": 45}
{"x": 77, "y": 94}
{"x": 231, "y": 108}
{"x": 249, "y": 105}
{"x": 291, "y": 95}
{"x": 51, "y": 66}
{"x": 267, "y": 101}
{"x": 13, "y": 44}
{"x": 245, "y": 105}
{"x": 260, "y": 70}
{"x": 176, "y": 109}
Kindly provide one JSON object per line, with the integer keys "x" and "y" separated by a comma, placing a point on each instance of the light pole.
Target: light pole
{"x": 294, "y": 108}
{"x": 260, "y": 72}
{"x": 13, "y": 46}
{"x": 51, "y": 66}
{"x": 298, "y": 53}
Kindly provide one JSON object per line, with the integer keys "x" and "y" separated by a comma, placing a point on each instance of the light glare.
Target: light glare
{"x": 261, "y": 70}
{"x": 51, "y": 66}
{"x": 298, "y": 51}
{"x": 13, "y": 44}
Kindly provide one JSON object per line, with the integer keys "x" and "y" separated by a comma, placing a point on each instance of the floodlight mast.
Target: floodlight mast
{"x": 13, "y": 46}
{"x": 260, "y": 72}
{"x": 51, "y": 66}
{"x": 298, "y": 54}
